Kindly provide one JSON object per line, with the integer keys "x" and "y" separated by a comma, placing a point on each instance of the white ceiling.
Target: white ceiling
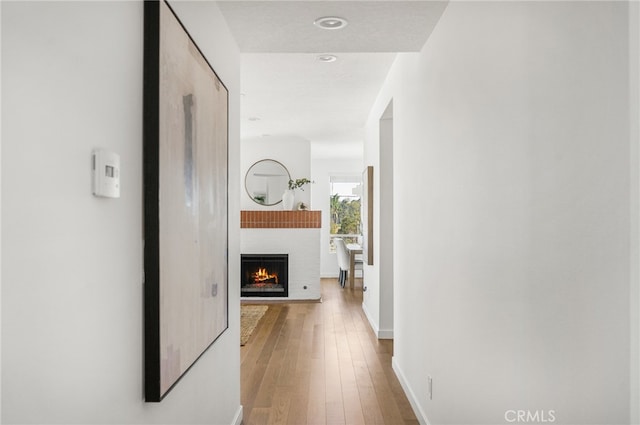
{"x": 293, "y": 95}
{"x": 287, "y": 26}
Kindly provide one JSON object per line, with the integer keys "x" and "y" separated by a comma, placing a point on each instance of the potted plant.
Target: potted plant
{"x": 289, "y": 196}
{"x": 298, "y": 183}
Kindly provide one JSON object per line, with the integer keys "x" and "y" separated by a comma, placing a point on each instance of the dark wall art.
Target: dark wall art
{"x": 185, "y": 201}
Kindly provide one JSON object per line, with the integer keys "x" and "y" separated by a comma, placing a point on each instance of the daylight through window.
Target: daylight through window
{"x": 344, "y": 202}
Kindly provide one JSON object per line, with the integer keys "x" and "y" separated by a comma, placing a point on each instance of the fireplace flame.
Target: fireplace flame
{"x": 262, "y": 275}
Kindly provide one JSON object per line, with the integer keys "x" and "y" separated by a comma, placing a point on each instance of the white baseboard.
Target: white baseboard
{"x": 417, "y": 410}
{"x": 385, "y": 334}
{"x": 380, "y": 333}
{"x": 237, "y": 420}
{"x": 373, "y": 325}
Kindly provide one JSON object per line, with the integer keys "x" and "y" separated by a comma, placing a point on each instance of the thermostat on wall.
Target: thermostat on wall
{"x": 106, "y": 174}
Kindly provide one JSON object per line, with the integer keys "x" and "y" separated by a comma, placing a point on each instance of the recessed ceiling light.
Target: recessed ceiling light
{"x": 330, "y": 23}
{"x": 327, "y": 58}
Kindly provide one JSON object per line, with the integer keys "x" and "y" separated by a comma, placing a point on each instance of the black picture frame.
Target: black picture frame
{"x": 185, "y": 181}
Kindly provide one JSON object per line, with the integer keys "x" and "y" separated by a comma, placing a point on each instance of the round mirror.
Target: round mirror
{"x": 266, "y": 181}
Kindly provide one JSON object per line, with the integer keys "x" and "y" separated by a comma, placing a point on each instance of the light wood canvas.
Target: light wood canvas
{"x": 192, "y": 207}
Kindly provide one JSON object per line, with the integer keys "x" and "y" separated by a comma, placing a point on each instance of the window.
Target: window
{"x": 344, "y": 207}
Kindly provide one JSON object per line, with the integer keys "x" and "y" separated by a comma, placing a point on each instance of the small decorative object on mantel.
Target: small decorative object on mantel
{"x": 302, "y": 206}
{"x": 288, "y": 198}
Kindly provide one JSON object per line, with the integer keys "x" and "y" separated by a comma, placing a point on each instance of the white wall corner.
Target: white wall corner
{"x": 379, "y": 333}
{"x": 372, "y": 322}
{"x": 413, "y": 400}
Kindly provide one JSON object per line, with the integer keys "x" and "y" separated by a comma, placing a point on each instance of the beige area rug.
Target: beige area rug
{"x": 250, "y": 315}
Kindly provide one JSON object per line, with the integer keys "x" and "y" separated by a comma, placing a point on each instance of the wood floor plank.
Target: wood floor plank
{"x": 249, "y": 353}
{"x": 300, "y": 398}
{"x": 273, "y": 356}
{"x": 259, "y": 416}
{"x": 368, "y": 400}
{"x": 320, "y": 363}
{"x": 281, "y": 405}
{"x": 288, "y": 372}
{"x": 316, "y": 410}
{"x": 353, "y": 414}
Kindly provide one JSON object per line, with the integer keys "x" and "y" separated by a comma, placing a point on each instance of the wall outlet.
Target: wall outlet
{"x": 430, "y": 387}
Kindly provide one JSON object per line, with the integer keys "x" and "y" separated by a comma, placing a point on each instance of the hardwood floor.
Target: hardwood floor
{"x": 320, "y": 363}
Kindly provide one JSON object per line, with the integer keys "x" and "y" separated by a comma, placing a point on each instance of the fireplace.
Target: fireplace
{"x": 264, "y": 275}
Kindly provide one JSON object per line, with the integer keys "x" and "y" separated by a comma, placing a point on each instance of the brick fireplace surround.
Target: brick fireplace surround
{"x": 280, "y": 219}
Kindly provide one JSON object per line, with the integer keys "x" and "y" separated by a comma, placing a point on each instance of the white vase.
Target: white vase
{"x": 287, "y": 200}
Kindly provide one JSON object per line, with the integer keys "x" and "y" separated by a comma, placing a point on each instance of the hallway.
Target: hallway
{"x": 319, "y": 363}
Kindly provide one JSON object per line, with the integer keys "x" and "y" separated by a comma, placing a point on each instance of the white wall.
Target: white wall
{"x": 321, "y": 170}
{"x": 72, "y": 296}
{"x": 377, "y": 301}
{"x": 512, "y": 189}
{"x": 371, "y": 273}
{"x": 0, "y": 216}
{"x": 385, "y": 225}
{"x": 295, "y": 154}
{"x": 634, "y": 298}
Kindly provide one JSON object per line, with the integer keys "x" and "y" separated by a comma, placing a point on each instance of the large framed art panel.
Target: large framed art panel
{"x": 366, "y": 215}
{"x": 185, "y": 201}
